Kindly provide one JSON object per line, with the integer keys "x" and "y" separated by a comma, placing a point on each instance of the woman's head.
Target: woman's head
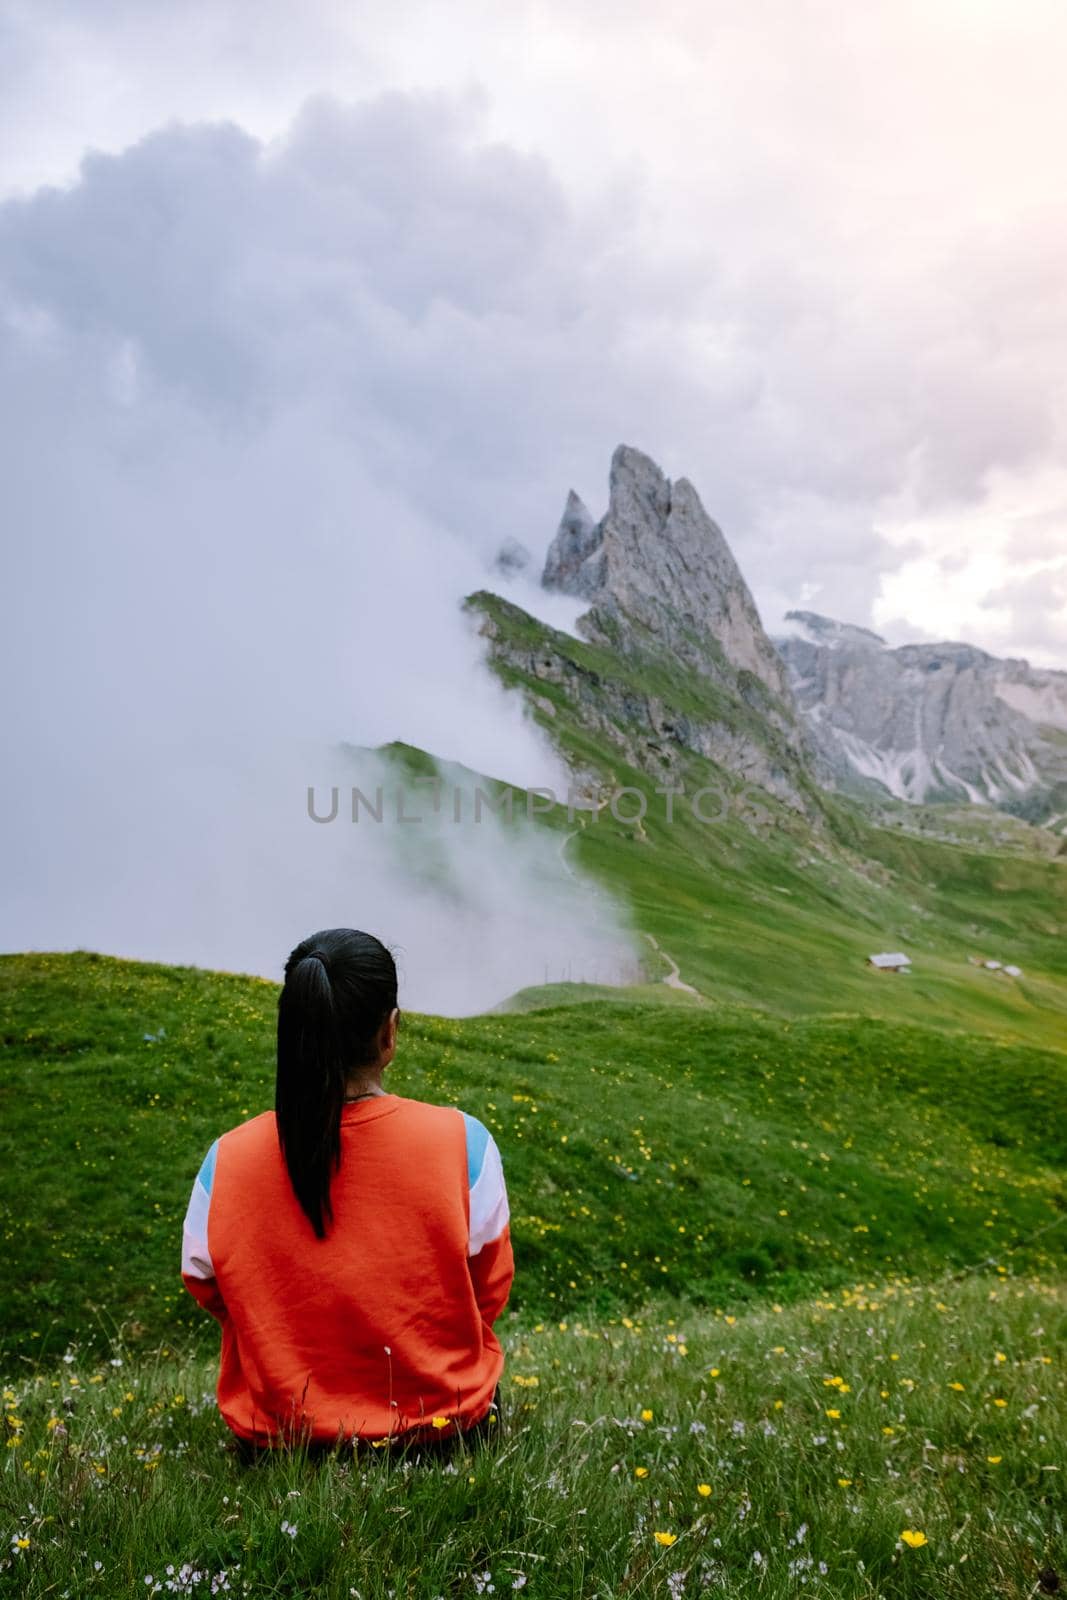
{"x": 336, "y": 1016}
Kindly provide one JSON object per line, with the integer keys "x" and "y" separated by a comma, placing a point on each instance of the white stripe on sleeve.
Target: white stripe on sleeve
{"x": 196, "y": 1257}
{"x": 488, "y": 1201}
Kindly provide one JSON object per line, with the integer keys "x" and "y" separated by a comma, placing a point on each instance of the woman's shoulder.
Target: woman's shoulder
{"x": 251, "y": 1130}
{"x": 427, "y": 1110}
{"x": 447, "y": 1120}
{"x": 436, "y": 1108}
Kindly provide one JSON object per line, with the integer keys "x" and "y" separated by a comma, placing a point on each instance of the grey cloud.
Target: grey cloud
{"x": 489, "y": 341}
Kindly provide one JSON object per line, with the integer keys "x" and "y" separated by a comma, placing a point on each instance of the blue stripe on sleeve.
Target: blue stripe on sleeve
{"x": 206, "y": 1175}
{"x": 477, "y": 1143}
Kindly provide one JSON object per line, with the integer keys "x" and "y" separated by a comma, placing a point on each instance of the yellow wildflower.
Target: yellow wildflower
{"x": 646, "y": 1415}
{"x": 665, "y": 1539}
{"x": 913, "y": 1538}
{"x": 704, "y": 1489}
{"x": 640, "y": 1472}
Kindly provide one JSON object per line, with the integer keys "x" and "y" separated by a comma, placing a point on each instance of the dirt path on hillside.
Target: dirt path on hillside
{"x": 674, "y": 979}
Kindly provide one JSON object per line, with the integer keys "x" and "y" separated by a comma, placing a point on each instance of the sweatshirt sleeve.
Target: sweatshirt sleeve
{"x": 489, "y": 1253}
{"x": 198, "y": 1272}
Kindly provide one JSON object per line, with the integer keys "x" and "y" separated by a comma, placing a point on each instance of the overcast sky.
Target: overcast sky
{"x": 304, "y": 310}
{"x": 810, "y": 255}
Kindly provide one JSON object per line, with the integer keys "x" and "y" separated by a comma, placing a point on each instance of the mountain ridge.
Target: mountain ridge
{"x": 829, "y": 706}
{"x": 928, "y": 722}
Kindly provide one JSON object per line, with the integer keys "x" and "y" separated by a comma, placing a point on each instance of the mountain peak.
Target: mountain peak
{"x": 825, "y": 631}
{"x": 636, "y": 481}
{"x": 576, "y": 539}
{"x": 657, "y": 560}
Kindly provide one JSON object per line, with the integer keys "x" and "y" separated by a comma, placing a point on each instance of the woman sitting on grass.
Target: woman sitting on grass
{"x": 353, "y": 1244}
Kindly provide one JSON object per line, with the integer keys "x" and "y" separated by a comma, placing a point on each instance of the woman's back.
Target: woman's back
{"x": 386, "y": 1323}
{"x": 353, "y": 1245}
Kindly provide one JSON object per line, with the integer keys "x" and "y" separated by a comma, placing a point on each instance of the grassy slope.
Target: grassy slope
{"x": 714, "y": 1150}
{"x": 765, "y": 910}
{"x": 822, "y": 1431}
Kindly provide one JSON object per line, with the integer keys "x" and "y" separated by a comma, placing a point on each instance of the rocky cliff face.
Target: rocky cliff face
{"x": 931, "y": 722}
{"x": 682, "y": 666}
{"x": 656, "y": 564}
{"x": 679, "y": 664}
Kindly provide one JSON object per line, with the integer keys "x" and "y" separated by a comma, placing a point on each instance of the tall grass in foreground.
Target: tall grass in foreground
{"x": 895, "y": 1441}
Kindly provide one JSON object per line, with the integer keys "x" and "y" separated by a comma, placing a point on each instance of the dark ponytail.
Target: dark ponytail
{"x": 340, "y": 986}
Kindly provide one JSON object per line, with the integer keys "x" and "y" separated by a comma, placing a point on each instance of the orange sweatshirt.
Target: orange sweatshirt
{"x": 386, "y": 1323}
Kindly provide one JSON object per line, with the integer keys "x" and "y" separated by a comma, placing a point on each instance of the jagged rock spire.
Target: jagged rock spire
{"x": 657, "y": 559}
{"x": 576, "y": 538}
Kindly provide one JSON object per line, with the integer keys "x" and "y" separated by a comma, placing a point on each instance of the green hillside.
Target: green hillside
{"x": 787, "y": 1290}
{"x": 705, "y": 1150}
{"x": 772, "y": 907}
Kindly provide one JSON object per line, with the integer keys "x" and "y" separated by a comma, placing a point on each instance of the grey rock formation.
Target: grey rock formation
{"x": 646, "y": 728}
{"x": 656, "y": 564}
{"x": 931, "y": 722}
{"x": 575, "y": 543}
{"x": 512, "y": 558}
{"x": 824, "y": 630}
{"x": 683, "y": 668}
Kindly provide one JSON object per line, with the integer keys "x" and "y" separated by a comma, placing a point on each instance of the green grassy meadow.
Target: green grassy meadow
{"x": 892, "y": 1440}
{"x": 790, "y": 1241}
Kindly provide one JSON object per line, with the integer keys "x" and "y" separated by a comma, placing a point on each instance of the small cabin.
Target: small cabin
{"x": 895, "y": 962}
